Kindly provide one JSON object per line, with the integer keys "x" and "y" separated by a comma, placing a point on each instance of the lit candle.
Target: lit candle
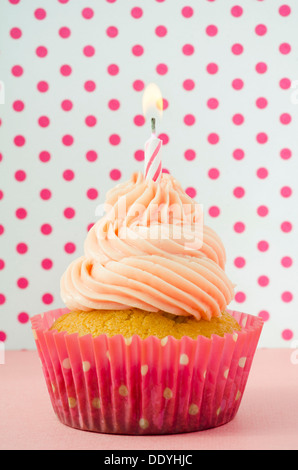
{"x": 153, "y": 165}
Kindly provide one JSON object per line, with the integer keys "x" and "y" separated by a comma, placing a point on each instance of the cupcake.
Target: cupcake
{"x": 146, "y": 343}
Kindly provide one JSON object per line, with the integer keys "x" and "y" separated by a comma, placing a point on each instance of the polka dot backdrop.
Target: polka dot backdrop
{"x": 72, "y": 127}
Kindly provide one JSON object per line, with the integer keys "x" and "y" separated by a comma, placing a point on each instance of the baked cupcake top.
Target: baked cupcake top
{"x": 151, "y": 251}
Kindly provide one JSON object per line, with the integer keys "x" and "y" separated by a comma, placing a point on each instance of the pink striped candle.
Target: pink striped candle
{"x": 153, "y": 165}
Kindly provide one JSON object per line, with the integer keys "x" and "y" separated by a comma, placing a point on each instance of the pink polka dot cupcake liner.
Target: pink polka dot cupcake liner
{"x": 152, "y": 386}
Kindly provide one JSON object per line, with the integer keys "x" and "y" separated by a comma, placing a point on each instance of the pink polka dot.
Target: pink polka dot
{"x": 47, "y": 299}
{"x": 262, "y": 211}
{"x": 212, "y": 68}
{"x": 287, "y": 296}
{"x": 112, "y": 31}
{"x": 69, "y": 213}
{"x": 44, "y": 156}
{"x": 286, "y": 227}
{"x": 89, "y": 227}
{"x": 188, "y": 49}
{"x": 238, "y": 119}
{"x": 139, "y": 120}
{"x": 261, "y": 103}
{"x": 111, "y": 1}
{"x": 188, "y": 84}
{"x": 261, "y": 29}
{"x": 69, "y": 247}
{"x": 213, "y": 138}
{"x": 89, "y": 51}
{"x": 14, "y": 2}
{"x": 213, "y": 173}
{"x": 113, "y": 69}
{"x": 189, "y": 119}
{"x": 2, "y": 264}
{"x": 287, "y": 334}
{"x": 237, "y": 84}
{"x": 89, "y": 85}
{"x": 91, "y": 156}
{"x": 47, "y": 263}
{"x": 263, "y": 281}
{"x": 114, "y": 139}
{"x": 64, "y": 32}
{"x": 2, "y": 299}
{"x": 189, "y": 155}
{"x": 90, "y": 121}
{"x": 164, "y": 137}
{"x": 42, "y": 86}
{"x": 285, "y": 118}
{"x": 46, "y": 229}
{"x": 239, "y": 262}
{"x": 92, "y": 193}
{"x": 236, "y": 11}
{"x": 262, "y": 173}
{"x": 239, "y": 192}
{"x": 20, "y": 175}
{"x": 214, "y": 211}
{"x": 43, "y": 121}
{"x": 87, "y": 13}
{"x": 285, "y": 48}
{"x": 22, "y": 248}
{"x": 263, "y": 245}
{"x": 23, "y": 317}
{"x": 162, "y": 69}
{"x": 17, "y": 71}
{"x": 187, "y": 12}
{"x": 161, "y": 31}
{"x": 237, "y": 49}
{"x": 262, "y": 138}
{"x": 65, "y": 70}
{"x": 261, "y": 67}
{"x": 212, "y": 103}
{"x": 238, "y": 154}
{"x": 136, "y": 12}
{"x": 15, "y": 33}
{"x": 3, "y": 335}
{"x": 41, "y": 51}
{"x": 66, "y": 105}
{"x": 138, "y": 85}
{"x": 22, "y": 283}
{"x": 285, "y": 83}
{"x": 285, "y": 154}
{"x": 240, "y": 297}
{"x": 18, "y": 105}
{"x": 191, "y": 192}
{"x": 286, "y": 191}
{"x": 67, "y": 140}
{"x": 68, "y": 175}
{"x": 137, "y": 50}
{"x": 115, "y": 174}
{"x": 21, "y": 213}
{"x": 1, "y": 229}
{"x": 264, "y": 315}
{"x": 239, "y": 227}
{"x": 139, "y": 155}
{"x": 284, "y": 10}
{"x": 286, "y": 261}
{"x": 45, "y": 194}
{"x": 19, "y": 140}
{"x": 211, "y": 30}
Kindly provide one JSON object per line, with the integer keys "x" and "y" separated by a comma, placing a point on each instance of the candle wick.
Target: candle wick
{"x": 153, "y": 125}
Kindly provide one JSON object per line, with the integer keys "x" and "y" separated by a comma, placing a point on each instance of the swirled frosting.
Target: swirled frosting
{"x": 150, "y": 250}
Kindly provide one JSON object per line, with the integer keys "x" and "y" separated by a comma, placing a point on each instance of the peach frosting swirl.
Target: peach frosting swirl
{"x": 150, "y": 250}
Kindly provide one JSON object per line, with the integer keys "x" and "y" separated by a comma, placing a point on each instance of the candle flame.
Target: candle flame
{"x": 152, "y": 101}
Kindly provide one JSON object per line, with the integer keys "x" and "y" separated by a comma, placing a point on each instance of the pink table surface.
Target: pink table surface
{"x": 267, "y": 418}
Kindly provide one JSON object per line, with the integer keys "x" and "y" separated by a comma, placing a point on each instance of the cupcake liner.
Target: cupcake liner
{"x": 151, "y": 386}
